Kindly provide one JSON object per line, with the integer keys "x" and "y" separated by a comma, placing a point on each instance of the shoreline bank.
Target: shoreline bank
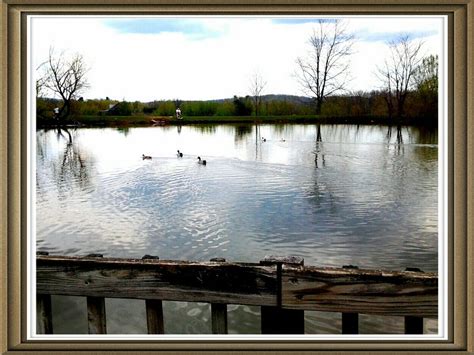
{"x": 127, "y": 121}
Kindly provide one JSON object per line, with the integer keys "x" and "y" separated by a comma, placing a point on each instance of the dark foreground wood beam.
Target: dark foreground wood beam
{"x": 287, "y": 286}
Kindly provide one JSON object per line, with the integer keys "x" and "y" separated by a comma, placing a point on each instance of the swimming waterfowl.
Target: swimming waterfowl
{"x": 264, "y": 139}
{"x": 145, "y": 157}
{"x": 203, "y": 162}
{"x": 179, "y": 154}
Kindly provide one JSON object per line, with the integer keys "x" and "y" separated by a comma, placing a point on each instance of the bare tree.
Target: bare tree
{"x": 40, "y": 86}
{"x": 257, "y": 84}
{"x": 65, "y": 78}
{"x": 398, "y": 71}
{"x": 325, "y": 70}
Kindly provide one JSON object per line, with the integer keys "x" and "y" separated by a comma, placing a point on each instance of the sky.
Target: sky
{"x": 200, "y": 58}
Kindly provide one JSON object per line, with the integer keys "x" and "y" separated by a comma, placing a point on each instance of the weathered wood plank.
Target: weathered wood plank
{"x": 96, "y": 319}
{"x": 278, "y": 259}
{"x": 219, "y": 318}
{"x": 360, "y": 291}
{"x": 413, "y": 325}
{"x": 310, "y": 288}
{"x": 350, "y": 323}
{"x": 275, "y": 320}
{"x": 44, "y": 322}
{"x": 228, "y": 283}
{"x": 154, "y": 317}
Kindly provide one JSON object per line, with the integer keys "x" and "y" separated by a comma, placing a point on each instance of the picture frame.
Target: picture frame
{"x": 14, "y": 150}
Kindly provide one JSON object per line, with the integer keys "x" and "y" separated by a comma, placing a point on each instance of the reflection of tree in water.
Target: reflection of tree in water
{"x": 210, "y": 129}
{"x": 241, "y": 131}
{"x": 279, "y": 128}
{"x": 124, "y": 130}
{"x": 427, "y": 154}
{"x": 258, "y": 141}
{"x": 41, "y": 142}
{"x": 318, "y": 150}
{"x": 72, "y": 167}
{"x": 425, "y": 135}
{"x": 321, "y": 197}
{"x": 399, "y": 148}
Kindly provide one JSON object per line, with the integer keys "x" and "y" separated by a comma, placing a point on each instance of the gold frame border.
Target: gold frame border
{"x": 13, "y": 176}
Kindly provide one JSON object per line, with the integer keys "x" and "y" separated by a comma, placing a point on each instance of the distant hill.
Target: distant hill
{"x": 268, "y": 98}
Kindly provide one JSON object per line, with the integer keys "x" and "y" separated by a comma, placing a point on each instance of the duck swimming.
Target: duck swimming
{"x": 203, "y": 162}
{"x": 179, "y": 154}
{"x": 145, "y": 157}
{"x": 264, "y": 139}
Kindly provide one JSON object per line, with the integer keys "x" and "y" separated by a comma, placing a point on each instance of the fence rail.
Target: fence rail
{"x": 282, "y": 286}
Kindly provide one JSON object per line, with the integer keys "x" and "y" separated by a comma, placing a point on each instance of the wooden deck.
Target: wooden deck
{"x": 282, "y": 286}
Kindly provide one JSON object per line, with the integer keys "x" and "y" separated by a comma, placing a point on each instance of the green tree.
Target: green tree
{"x": 426, "y": 81}
{"x": 225, "y": 108}
{"x": 123, "y": 109}
{"x": 426, "y": 75}
{"x": 243, "y": 106}
{"x": 165, "y": 108}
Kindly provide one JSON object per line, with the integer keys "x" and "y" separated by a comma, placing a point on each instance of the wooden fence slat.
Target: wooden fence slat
{"x": 154, "y": 317}
{"x": 219, "y": 318}
{"x": 96, "y": 319}
{"x": 44, "y": 314}
{"x": 230, "y": 283}
{"x": 350, "y": 323}
{"x": 388, "y": 293}
{"x": 413, "y": 325}
{"x": 276, "y": 320}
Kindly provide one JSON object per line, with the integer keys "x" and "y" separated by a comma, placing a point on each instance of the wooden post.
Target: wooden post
{"x": 96, "y": 320}
{"x": 219, "y": 318}
{"x": 154, "y": 317}
{"x": 218, "y": 311}
{"x": 281, "y": 321}
{"x": 276, "y": 320}
{"x": 413, "y": 325}
{"x": 44, "y": 314}
{"x": 350, "y": 321}
{"x": 154, "y": 309}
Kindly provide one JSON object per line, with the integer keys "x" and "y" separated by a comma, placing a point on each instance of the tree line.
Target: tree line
{"x": 408, "y": 86}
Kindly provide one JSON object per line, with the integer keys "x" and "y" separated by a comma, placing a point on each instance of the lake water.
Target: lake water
{"x": 333, "y": 194}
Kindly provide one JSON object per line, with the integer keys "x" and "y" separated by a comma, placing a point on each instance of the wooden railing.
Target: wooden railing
{"x": 282, "y": 286}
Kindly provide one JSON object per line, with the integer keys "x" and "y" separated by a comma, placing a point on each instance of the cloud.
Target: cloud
{"x": 192, "y": 28}
{"x": 390, "y": 36}
{"x": 300, "y": 21}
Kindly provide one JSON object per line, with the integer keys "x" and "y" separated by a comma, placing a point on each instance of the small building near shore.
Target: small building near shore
{"x": 118, "y": 109}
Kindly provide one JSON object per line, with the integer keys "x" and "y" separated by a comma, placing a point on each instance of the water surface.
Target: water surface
{"x": 333, "y": 194}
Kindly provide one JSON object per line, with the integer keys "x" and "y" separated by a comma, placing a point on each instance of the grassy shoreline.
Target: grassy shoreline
{"x": 146, "y": 120}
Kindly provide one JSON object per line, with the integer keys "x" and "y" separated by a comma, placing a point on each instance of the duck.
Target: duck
{"x": 264, "y": 139}
{"x": 283, "y": 140}
{"x": 145, "y": 157}
{"x": 179, "y": 154}
{"x": 203, "y": 162}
